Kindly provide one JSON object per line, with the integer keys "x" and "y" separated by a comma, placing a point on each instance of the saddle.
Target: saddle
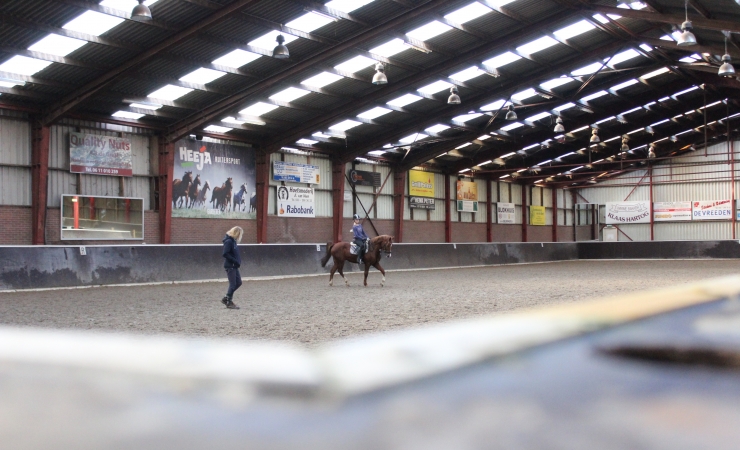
{"x": 354, "y": 249}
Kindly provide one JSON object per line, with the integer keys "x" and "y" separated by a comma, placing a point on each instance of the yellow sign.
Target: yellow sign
{"x": 467, "y": 190}
{"x": 421, "y": 184}
{"x": 537, "y": 215}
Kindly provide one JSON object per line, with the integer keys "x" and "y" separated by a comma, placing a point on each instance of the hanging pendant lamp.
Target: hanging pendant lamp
{"x": 280, "y": 51}
{"x": 454, "y": 98}
{"x": 651, "y": 152}
{"x": 726, "y": 69}
{"x": 625, "y": 148}
{"x": 559, "y": 128}
{"x": 594, "y": 136}
{"x": 686, "y": 38}
{"x": 511, "y": 114}
{"x": 379, "y": 77}
{"x": 141, "y": 12}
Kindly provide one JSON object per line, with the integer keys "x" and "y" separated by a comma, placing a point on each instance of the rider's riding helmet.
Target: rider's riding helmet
{"x": 356, "y": 217}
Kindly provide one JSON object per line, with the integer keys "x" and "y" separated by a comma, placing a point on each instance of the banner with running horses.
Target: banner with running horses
{"x": 213, "y": 180}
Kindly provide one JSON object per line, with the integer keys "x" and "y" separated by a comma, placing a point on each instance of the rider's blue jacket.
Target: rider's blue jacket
{"x": 359, "y": 232}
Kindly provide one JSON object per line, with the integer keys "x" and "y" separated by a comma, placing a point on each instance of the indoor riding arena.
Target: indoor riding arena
{"x": 369, "y": 224}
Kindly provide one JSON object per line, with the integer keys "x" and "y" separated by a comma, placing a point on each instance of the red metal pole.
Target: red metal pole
{"x": 489, "y": 221}
{"x": 40, "y": 136}
{"x": 76, "y": 209}
{"x": 166, "y": 175}
{"x": 337, "y": 188}
{"x": 524, "y": 212}
{"x": 554, "y": 215}
{"x": 263, "y": 190}
{"x": 448, "y": 218}
{"x": 652, "y": 219}
{"x": 732, "y": 184}
{"x": 399, "y": 184}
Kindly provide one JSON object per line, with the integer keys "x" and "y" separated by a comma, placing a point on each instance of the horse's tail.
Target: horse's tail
{"x": 326, "y": 257}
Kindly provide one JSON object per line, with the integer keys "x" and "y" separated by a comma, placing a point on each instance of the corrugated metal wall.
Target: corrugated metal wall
{"x": 366, "y": 194}
{"x": 15, "y": 162}
{"x": 688, "y": 178}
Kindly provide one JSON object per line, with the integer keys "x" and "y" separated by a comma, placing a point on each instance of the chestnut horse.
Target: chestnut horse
{"x": 340, "y": 253}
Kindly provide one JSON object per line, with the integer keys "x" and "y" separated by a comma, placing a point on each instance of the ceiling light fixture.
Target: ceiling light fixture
{"x": 625, "y": 147}
{"x": 686, "y": 38}
{"x": 280, "y": 51}
{"x": 595, "y": 136}
{"x": 726, "y": 69}
{"x": 651, "y": 152}
{"x": 379, "y": 77}
{"x": 511, "y": 114}
{"x": 454, "y": 98}
{"x": 141, "y": 12}
{"x": 559, "y": 128}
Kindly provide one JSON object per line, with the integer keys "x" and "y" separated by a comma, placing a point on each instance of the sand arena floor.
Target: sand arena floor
{"x": 308, "y": 310}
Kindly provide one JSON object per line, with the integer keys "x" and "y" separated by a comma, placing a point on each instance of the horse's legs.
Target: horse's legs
{"x": 367, "y": 270}
{"x": 341, "y": 272}
{"x": 377, "y": 266}
{"x": 331, "y": 275}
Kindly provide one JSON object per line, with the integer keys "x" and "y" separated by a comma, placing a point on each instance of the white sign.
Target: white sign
{"x": 671, "y": 211}
{"x": 627, "y": 212}
{"x": 295, "y": 201}
{"x": 505, "y": 212}
{"x": 295, "y": 173}
{"x": 712, "y": 210}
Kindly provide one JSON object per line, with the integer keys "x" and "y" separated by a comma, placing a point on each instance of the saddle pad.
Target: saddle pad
{"x": 353, "y": 249}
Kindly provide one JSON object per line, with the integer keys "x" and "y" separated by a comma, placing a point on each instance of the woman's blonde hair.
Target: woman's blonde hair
{"x": 236, "y": 233}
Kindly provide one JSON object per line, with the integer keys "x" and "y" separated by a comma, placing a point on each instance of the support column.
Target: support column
{"x": 448, "y": 218}
{"x": 337, "y": 192}
{"x": 489, "y": 210}
{"x": 652, "y": 218}
{"x": 399, "y": 185}
{"x": 525, "y": 188}
{"x": 166, "y": 175}
{"x": 263, "y": 190}
{"x": 554, "y": 214}
{"x": 40, "y": 137}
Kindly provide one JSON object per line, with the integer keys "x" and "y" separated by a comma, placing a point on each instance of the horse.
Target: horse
{"x": 192, "y": 192}
{"x": 340, "y": 252}
{"x": 253, "y": 202}
{"x": 201, "y": 197}
{"x": 221, "y": 196}
{"x": 239, "y": 198}
{"x": 180, "y": 188}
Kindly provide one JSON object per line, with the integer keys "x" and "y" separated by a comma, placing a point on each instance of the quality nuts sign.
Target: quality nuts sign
{"x": 627, "y": 212}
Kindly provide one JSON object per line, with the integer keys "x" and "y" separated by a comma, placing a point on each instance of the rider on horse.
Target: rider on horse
{"x": 360, "y": 238}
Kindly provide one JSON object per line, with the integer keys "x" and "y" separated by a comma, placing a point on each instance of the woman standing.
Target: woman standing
{"x": 232, "y": 263}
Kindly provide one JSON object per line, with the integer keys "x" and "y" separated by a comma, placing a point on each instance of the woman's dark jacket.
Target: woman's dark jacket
{"x": 231, "y": 254}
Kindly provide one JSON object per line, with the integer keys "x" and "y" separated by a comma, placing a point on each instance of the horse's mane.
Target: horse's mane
{"x": 378, "y": 241}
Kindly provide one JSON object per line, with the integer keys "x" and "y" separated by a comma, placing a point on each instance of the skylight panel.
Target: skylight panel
{"x": 374, "y": 113}
{"x": 523, "y": 95}
{"x": 236, "y": 58}
{"x": 565, "y": 106}
{"x": 574, "y": 30}
{"x": 467, "y": 74}
{"x": 639, "y": 108}
{"x": 588, "y": 70}
{"x": 217, "y": 129}
{"x": 9, "y": 83}
{"x": 428, "y": 31}
{"x": 512, "y": 126}
{"x": 463, "y": 145}
{"x": 501, "y": 60}
{"x": 646, "y": 47}
{"x": 437, "y": 128}
{"x": 468, "y": 13}
{"x": 624, "y": 85}
{"x": 377, "y": 152}
{"x": 170, "y": 92}
{"x": 539, "y": 116}
{"x": 288, "y": 95}
{"x": 584, "y": 128}
{"x": 537, "y": 45}
{"x": 593, "y": 96}
{"x": 601, "y": 18}
{"x": 321, "y": 135}
{"x": 347, "y": 6}
{"x": 688, "y": 59}
{"x": 307, "y": 142}
{"x": 125, "y": 5}
{"x": 467, "y": 117}
{"x": 435, "y": 87}
{"x": 355, "y": 64}
{"x": 55, "y": 44}
{"x": 345, "y": 125}
{"x": 23, "y": 65}
{"x": 404, "y": 100}
{"x": 693, "y": 88}
{"x": 557, "y": 82}
{"x": 151, "y": 106}
{"x": 127, "y": 115}
{"x": 390, "y": 48}
{"x": 655, "y": 73}
{"x": 309, "y": 22}
{"x": 500, "y": 3}
{"x": 483, "y": 137}
{"x": 322, "y": 79}
{"x": 268, "y": 41}
{"x": 258, "y": 109}
{"x": 416, "y": 137}
{"x": 624, "y": 56}
{"x": 92, "y": 22}
{"x": 508, "y": 155}
{"x": 660, "y": 122}
{"x": 202, "y": 76}
{"x": 498, "y": 104}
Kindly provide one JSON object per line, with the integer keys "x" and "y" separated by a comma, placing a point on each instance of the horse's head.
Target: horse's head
{"x": 385, "y": 244}
{"x": 187, "y": 177}
{"x": 196, "y": 182}
{"x": 243, "y": 188}
{"x": 228, "y": 183}
{"x": 206, "y": 186}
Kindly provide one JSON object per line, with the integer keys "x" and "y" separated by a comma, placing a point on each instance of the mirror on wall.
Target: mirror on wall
{"x": 88, "y": 218}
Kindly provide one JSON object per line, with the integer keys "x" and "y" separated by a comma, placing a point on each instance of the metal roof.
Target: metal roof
{"x": 126, "y": 63}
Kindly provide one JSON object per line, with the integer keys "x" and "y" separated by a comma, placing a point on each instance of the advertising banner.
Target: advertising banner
{"x": 627, "y": 212}
{"x": 467, "y": 196}
{"x": 362, "y": 178}
{"x": 712, "y": 210}
{"x": 295, "y": 201}
{"x": 671, "y": 211}
{"x": 537, "y": 215}
{"x": 295, "y": 173}
{"x": 421, "y": 184}
{"x": 421, "y": 203}
{"x": 467, "y": 206}
{"x": 100, "y": 155}
{"x": 505, "y": 212}
{"x": 213, "y": 181}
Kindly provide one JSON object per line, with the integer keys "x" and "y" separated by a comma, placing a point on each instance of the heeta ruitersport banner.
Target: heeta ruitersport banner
{"x": 671, "y": 211}
{"x": 712, "y": 210}
{"x": 212, "y": 180}
{"x": 627, "y": 212}
{"x": 100, "y": 155}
